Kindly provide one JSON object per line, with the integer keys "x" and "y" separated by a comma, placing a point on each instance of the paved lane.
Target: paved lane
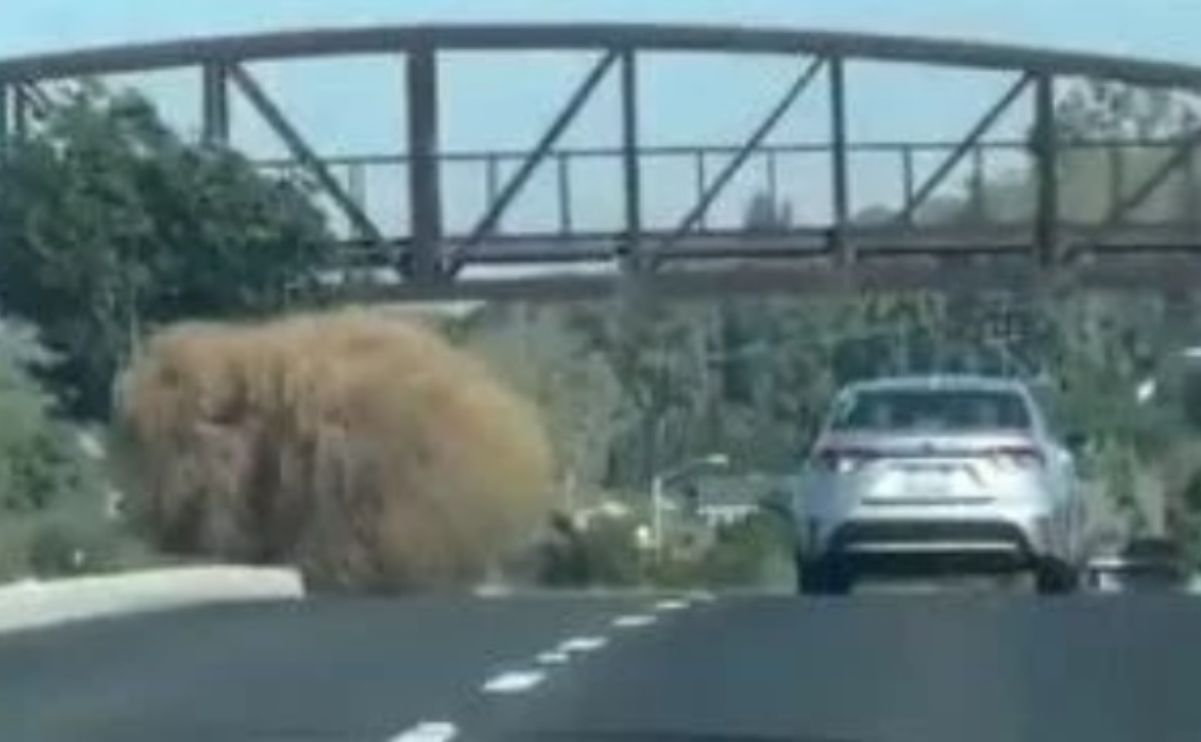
{"x": 876, "y": 667}
{"x": 892, "y": 668}
{"x": 333, "y": 669}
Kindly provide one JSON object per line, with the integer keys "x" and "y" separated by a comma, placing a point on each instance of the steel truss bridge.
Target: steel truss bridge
{"x": 1039, "y": 245}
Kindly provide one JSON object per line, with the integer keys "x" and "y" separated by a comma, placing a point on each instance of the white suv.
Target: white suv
{"x": 937, "y": 473}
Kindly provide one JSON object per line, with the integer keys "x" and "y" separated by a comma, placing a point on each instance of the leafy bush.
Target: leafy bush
{"x": 738, "y": 555}
{"x": 742, "y": 550}
{"x": 606, "y": 554}
{"x": 61, "y": 548}
{"x": 110, "y": 221}
{"x": 52, "y": 518}
{"x": 365, "y": 450}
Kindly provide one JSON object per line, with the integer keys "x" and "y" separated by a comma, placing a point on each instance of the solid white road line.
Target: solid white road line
{"x": 557, "y": 657}
{"x": 633, "y": 621}
{"x": 514, "y": 682}
{"x": 583, "y": 644}
{"x": 428, "y": 731}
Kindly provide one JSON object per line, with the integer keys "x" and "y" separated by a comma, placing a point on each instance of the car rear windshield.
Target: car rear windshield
{"x": 914, "y": 409}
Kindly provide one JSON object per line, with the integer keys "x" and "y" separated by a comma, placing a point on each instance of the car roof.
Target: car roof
{"x": 957, "y": 382}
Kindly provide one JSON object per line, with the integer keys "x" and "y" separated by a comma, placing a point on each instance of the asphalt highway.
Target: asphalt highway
{"x": 873, "y": 667}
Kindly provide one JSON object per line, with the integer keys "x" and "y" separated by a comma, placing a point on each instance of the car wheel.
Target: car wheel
{"x": 1054, "y": 577}
{"x": 823, "y": 577}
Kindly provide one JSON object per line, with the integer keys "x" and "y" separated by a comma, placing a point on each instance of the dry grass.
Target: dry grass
{"x": 366, "y": 450}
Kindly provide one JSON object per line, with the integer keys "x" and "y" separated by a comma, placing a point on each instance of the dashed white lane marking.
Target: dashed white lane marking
{"x": 514, "y": 682}
{"x": 703, "y": 596}
{"x": 558, "y": 657}
{"x": 583, "y": 644}
{"x": 633, "y": 621}
{"x": 428, "y": 731}
{"x": 671, "y": 605}
{"x": 493, "y": 591}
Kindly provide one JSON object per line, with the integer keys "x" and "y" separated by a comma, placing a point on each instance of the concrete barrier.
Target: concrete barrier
{"x": 33, "y": 604}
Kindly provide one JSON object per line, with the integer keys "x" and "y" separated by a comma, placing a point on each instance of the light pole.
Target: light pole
{"x": 659, "y": 484}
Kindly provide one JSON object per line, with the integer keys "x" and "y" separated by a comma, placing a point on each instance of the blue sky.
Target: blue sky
{"x": 355, "y": 106}
{"x": 1164, "y": 28}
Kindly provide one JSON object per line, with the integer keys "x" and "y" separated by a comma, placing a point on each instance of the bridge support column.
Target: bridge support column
{"x": 839, "y": 185}
{"x": 5, "y": 95}
{"x": 702, "y": 185}
{"x": 215, "y": 105}
{"x": 1046, "y": 228}
{"x": 563, "y": 176}
{"x": 425, "y": 192}
{"x": 20, "y": 112}
{"x": 1117, "y": 176}
{"x": 631, "y": 255}
{"x": 907, "y": 185}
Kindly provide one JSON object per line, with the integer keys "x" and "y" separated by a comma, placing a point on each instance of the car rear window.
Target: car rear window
{"x": 932, "y": 410}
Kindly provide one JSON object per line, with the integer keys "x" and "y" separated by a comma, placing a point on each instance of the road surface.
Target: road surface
{"x": 943, "y": 666}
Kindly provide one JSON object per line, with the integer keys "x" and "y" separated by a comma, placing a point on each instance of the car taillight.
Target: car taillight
{"x": 1022, "y": 457}
{"x": 844, "y": 460}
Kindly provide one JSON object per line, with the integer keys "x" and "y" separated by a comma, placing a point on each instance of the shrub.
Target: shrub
{"x": 738, "y": 555}
{"x": 58, "y": 549}
{"x": 39, "y": 463}
{"x": 562, "y": 558}
{"x": 606, "y": 553}
{"x": 46, "y": 484}
{"x": 365, "y": 450}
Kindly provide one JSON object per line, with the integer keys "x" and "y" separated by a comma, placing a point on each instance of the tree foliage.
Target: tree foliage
{"x": 110, "y": 221}
{"x": 40, "y": 465}
{"x": 51, "y": 513}
{"x": 1099, "y": 109}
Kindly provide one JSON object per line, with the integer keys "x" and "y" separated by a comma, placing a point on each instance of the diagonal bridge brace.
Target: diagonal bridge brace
{"x": 487, "y": 223}
{"x": 1179, "y": 156}
{"x": 303, "y": 152}
{"x": 974, "y": 135}
{"x": 690, "y": 220}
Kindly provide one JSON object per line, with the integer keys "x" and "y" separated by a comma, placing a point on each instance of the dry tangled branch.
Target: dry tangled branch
{"x": 366, "y": 450}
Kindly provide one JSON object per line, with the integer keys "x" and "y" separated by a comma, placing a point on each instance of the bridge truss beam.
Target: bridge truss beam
{"x": 431, "y": 257}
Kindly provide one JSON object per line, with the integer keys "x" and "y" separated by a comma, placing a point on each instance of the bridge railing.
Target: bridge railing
{"x": 430, "y": 214}
{"x": 571, "y": 210}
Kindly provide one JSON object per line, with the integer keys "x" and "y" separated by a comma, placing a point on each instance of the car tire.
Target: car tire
{"x": 1055, "y": 577}
{"x": 823, "y": 577}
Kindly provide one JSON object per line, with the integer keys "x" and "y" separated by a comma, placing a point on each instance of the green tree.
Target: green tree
{"x": 39, "y": 465}
{"x": 582, "y": 404}
{"x": 658, "y": 354}
{"x": 1101, "y": 109}
{"x": 51, "y": 511}
{"x": 110, "y": 221}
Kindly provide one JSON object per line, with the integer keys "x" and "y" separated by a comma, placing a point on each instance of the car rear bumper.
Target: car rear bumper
{"x": 989, "y": 537}
{"x": 931, "y": 545}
